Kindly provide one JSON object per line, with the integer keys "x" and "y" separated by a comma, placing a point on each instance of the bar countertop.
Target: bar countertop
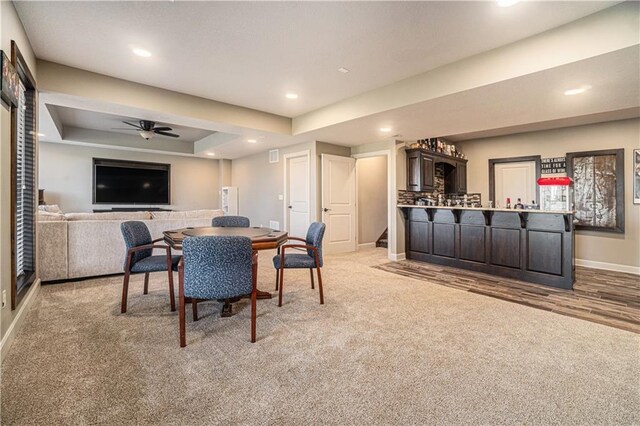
{"x": 414, "y": 206}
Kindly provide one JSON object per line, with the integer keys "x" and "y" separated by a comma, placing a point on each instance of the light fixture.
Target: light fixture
{"x": 252, "y": 140}
{"x": 144, "y": 53}
{"x": 41, "y": 135}
{"x": 211, "y": 154}
{"x": 291, "y": 96}
{"x": 507, "y": 3}
{"x": 385, "y": 129}
{"x": 147, "y": 134}
{"x": 577, "y": 90}
{"x": 343, "y": 70}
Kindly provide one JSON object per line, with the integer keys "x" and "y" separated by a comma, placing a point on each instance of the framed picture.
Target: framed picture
{"x": 636, "y": 176}
{"x": 10, "y": 82}
{"x": 598, "y": 178}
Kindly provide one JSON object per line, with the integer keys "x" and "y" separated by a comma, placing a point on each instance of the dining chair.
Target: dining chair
{"x": 216, "y": 267}
{"x": 140, "y": 259}
{"x": 310, "y": 259}
{"x": 230, "y": 222}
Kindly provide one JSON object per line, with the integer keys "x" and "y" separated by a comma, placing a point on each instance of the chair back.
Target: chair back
{"x": 230, "y": 222}
{"x": 314, "y": 238}
{"x": 217, "y": 267}
{"x": 135, "y": 234}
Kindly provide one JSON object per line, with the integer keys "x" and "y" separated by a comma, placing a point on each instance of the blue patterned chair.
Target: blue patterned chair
{"x": 216, "y": 267}
{"x": 311, "y": 258}
{"x": 139, "y": 259}
{"x": 230, "y": 222}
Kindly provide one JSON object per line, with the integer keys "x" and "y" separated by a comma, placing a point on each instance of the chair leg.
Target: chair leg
{"x": 311, "y": 273}
{"x": 281, "y": 285}
{"x": 194, "y": 308}
{"x": 277, "y": 278}
{"x": 146, "y": 283}
{"x": 125, "y": 291}
{"x": 254, "y": 296}
{"x": 172, "y": 300}
{"x": 183, "y": 337}
{"x": 320, "y": 287}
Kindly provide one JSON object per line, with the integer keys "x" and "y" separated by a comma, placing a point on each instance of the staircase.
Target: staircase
{"x": 382, "y": 240}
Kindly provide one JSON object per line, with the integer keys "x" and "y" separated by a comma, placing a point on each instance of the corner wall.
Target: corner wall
{"x": 11, "y": 29}
{"x": 597, "y": 249}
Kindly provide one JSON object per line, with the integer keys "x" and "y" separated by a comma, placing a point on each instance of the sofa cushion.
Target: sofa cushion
{"x": 187, "y": 214}
{"x": 109, "y": 216}
{"x": 168, "y": 215}
{"x": 51, "y": 208}
{"x": 44, "y": 216}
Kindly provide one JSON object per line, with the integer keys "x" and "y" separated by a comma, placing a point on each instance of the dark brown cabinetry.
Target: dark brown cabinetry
{"x": 526, "y": 245}
{"x": 422, "y": 173}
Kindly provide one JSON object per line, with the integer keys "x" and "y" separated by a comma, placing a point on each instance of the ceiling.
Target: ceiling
{"x": 481, "y": 70}
{"x": 74, "y": 117}
{"x": 252, "y": 53}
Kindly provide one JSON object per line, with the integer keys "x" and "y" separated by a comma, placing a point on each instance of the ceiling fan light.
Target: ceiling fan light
{"x": 146, "y": 134}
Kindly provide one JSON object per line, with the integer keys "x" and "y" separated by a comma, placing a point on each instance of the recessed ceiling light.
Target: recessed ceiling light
{"x": 211, "y": 154}
{"x": 41, "y": 135}
{"x": 291, "y": 96}
{"x": 577, "y": 90}
{"x": 343, "y": 70}
{"x": 252, "y": 140}
{"x": 385, "y": 129}
{"x": 507, "y": 3}
{"x": 141, "y": 52}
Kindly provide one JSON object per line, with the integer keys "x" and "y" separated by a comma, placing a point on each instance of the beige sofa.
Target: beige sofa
{"x": 77, "y": 245}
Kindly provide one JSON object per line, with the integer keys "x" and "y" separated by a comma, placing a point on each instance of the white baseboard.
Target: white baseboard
{"x": 366, "y": 246}
{"x": 397, "y": 256}
{"x": 7, "y": 340}
{"x": 608, "y": 266}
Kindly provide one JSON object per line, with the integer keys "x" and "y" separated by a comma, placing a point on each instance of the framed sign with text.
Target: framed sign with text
{"x": 10, "y": 82}
{"x": 553, "y": 165}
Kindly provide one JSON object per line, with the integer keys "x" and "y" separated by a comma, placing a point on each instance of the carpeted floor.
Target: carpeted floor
{"x": 384, "y": 349}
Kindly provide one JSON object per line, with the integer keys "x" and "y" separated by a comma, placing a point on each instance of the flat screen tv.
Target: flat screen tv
{"x": 130, "y": 182}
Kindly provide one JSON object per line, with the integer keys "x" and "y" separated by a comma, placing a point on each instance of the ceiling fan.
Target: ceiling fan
{"x": 148, "y": 129}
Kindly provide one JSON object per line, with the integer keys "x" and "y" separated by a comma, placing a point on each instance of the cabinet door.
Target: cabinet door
{"x": 461, "y": 178}
{"x": 413, "y": 171}
{"x": 427, "y": 170}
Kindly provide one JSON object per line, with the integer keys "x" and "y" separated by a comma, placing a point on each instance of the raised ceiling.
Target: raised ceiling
{"x": 252, "y": 53}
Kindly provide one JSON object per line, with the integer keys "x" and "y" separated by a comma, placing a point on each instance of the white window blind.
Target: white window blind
{"x": 21, "y": 168}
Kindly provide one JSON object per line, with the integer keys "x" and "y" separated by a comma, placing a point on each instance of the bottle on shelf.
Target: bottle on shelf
{"x": 508, "y": 204}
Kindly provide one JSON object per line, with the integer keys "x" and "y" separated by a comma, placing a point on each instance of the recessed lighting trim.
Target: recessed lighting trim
{"x": 41, "y": 135}
{"x": 577, "y": 90}
{"x": 291, "y": 96}
{"x": 507, "y": 3}
{"x": 211, "y": 154}
{"x": 143, "y": 53}
{"x": 343, "y": 70}
{"x": 252, "y": 140}
{"x": 385, "y": 129}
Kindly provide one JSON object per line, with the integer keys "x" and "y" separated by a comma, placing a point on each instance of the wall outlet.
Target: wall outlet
{"x": 280, "y": 197}
{"x": 4, "y": 298}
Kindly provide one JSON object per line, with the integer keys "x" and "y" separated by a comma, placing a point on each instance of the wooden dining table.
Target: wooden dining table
{"x": 261, "y": 239}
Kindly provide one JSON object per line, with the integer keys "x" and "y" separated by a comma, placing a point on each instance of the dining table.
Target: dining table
{"x": 261, "y": 239}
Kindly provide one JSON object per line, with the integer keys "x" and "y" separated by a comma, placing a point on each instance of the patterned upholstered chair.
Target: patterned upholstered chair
{"x": 139, "y": 258}
{"x": 230, "y": 222}
{"x": 311, "y": 258}
{"x": 216, "y": 267}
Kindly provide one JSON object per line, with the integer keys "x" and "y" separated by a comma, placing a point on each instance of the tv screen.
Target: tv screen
{"x": 128, "y": 182}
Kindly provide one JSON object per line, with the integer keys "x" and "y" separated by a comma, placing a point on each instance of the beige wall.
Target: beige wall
{"x": 590, "y": 246}
{"x": 11, "y": 29}
{"x": 372, "y": 198}
{"x": 66, "y": 176}
{"x": 260, "y": 182}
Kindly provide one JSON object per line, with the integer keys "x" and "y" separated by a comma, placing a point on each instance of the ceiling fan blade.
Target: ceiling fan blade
{"x": 173, "y": 135}
{"x": 131, "y": 124}
{"x": 162, "y": 129}
{"x": 125, "y": 128}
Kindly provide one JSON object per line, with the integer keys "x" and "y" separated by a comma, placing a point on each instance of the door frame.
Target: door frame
{"x": 391, "y": 202}
{"x": 492, "y": 172}
{"x": 285, "y": 205}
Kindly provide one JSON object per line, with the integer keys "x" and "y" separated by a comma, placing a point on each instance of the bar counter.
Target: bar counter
{"x": 528, "y": 245}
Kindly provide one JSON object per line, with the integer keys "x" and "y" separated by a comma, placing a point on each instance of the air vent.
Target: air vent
{"x": 274, "y": 156}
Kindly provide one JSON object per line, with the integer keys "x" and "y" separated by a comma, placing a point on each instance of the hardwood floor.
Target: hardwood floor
{"x": 604, "y": 297}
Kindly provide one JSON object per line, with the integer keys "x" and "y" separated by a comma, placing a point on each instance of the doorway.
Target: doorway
{"x": 514, "y": 178}
{"x": 372, "y": 206}
{"x": 296, "y": 197}
{"x": 339, "y": 203}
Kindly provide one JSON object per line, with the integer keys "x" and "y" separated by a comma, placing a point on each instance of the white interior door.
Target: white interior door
{"x": 339, "y": 203}
{"x": 297, "y": 211}
{"x": 515, "y": 180}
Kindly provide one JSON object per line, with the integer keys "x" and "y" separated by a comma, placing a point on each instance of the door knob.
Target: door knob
{"x": 290, "y": 207}
{"x": 325, "y": 210}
